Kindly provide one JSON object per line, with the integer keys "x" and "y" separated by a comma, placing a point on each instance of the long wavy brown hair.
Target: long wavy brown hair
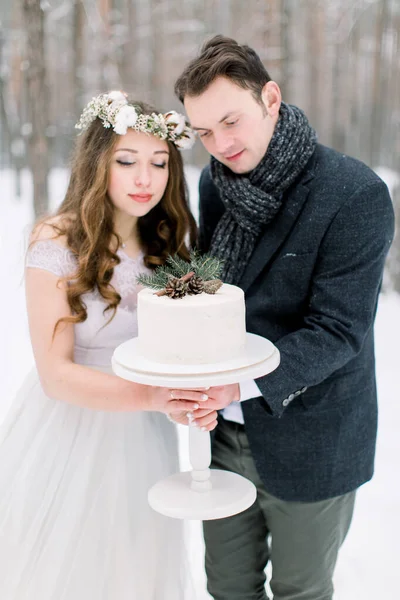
{"x": 87, "y": 219}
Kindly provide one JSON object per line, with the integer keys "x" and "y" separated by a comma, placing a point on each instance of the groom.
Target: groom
{"x": 304, "y": 231}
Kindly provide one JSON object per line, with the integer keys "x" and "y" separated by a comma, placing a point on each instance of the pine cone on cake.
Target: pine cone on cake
{"x": 176, "y": 288}
{"x": 178, "y": 276}
{"x": 212, "y": 286}
{"x": 195, "y": 286}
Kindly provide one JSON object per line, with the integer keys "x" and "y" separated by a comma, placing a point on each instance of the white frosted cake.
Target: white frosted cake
{"x": 198, "y": 329}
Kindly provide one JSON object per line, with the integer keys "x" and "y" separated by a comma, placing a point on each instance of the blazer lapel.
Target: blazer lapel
{"x": 276, "y": 233}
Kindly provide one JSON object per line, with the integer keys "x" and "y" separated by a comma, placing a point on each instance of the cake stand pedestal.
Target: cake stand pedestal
{"x": 201, "y": 493}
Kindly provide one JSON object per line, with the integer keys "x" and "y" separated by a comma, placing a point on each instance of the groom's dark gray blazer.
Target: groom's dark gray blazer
{"x": 311, "y": 287}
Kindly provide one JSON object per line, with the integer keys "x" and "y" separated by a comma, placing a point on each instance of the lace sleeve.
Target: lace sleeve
{"x": 50, "y": 256}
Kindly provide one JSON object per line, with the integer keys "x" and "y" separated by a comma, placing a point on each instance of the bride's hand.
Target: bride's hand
{"x": 173, "y": 401}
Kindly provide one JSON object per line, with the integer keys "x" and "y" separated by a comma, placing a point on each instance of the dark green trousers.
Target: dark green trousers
{"x": 300, "y": 539}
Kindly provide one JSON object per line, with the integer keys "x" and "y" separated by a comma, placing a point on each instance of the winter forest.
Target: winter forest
{"x": 338, "y": 60}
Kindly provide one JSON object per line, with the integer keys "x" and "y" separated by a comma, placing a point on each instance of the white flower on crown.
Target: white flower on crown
{"x": 117, "y": 95}
{"x": 174, "y": 118}
{"x": 125, "y": 117}
{"x": 186, "y": 140}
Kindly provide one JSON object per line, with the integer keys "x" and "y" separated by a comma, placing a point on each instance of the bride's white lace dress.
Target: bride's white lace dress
{"x": 74, "y": 519}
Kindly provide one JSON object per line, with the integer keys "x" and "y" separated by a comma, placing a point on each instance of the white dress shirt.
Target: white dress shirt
{"x": 233, "y": 412}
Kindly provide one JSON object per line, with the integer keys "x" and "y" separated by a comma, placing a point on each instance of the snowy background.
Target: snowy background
{"x": 368, "y": 563}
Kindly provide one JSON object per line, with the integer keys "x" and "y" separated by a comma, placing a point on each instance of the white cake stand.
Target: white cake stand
{"x": 200, "y": 493}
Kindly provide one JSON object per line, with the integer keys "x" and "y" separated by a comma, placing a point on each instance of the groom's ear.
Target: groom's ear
{"x": 271, "y": 98}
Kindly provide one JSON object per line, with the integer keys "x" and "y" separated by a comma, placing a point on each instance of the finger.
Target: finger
{"x": 212, "y": 404}
{"x": 210, "y": 426}
{"x": 203, "y": 422}
{"x": 183, "y": 418}
{"x": 195, "y": 396}
{"x": 177, "y": 418}
{"x": 189, "y": 416}
{"x": 181, "y": 405}
{"x": 196, "y": 389}
{"x": 200, "y": 412}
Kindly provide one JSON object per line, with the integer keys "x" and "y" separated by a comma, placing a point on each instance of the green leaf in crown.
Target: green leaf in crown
{"x": 178, "y": 277}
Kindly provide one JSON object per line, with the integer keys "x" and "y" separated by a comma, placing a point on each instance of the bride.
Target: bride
{"x": 80, "y": 446}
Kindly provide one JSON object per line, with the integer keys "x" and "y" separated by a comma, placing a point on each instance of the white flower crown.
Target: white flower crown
{"x": 114, "y": 111}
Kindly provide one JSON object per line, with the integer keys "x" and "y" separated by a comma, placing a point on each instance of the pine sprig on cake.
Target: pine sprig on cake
{"x": 178, "y": 277}
{"x": 179, "y": 266}
{"x": 156, "y": 280}
{"x": 205, "y": 266}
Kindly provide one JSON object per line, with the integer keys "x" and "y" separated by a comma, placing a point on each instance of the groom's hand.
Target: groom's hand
{"x": 206, "y": 420}
{"x": 221, "y": 396}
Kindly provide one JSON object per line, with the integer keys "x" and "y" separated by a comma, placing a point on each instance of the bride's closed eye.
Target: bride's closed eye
{"x": 125, "y": 163}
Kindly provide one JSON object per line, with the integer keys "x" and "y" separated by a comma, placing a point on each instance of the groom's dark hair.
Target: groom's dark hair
{"x": 223, "y": 57}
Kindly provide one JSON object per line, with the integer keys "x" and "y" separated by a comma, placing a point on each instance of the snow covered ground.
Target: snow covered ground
{"x": 367, "y": 567}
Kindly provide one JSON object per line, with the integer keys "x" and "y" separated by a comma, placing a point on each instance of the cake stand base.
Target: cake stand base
{"x": 230, "y": 494}
{"x": 202, "y": 493}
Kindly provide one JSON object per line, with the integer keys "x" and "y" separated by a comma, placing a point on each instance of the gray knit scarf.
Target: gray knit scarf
{"x": 252, "y": 200}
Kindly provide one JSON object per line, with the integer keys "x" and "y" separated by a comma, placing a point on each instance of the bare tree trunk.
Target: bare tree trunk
{"x": 18, "y": 100}
{"x": 5, "y": 124}
{"x": 339, "y": 70}
{"x": 222, "y": 17}
{"x": 156, "y": 44}
{"x": 297, "y": 88}
{"x": 354, "y": 147}
{"x": 78, "y": 56}
{"x": 127, "y": 56}
{"x": 105, "y": 33}
{"x": 38, "y": 94}
{"x": 316, "y": 54}
{"x": 388, "y": 108}
{"x": 376, "y": 109}
{"x": 286, "y": 49}
{"x": 14, "y": 145}
{"x": 395, "y": 92}
{"x": 272, "y": 42}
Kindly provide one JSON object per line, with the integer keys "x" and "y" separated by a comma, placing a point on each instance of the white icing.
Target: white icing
{"x": 205, "y": 328}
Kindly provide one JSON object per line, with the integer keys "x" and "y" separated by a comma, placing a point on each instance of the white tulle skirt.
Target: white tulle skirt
{"x": 74, "y": 519}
